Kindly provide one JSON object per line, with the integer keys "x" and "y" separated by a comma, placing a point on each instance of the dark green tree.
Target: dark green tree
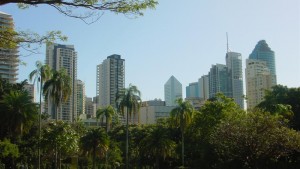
{"x": 277, "y": 101}
{"x": 107, "y": 112}
{"x": 58, "y": 89}
{"x": 95, "y": 144}
{"x": 41, "y": 74}
{"x": 129, "y": 100}
{"x": 256, "y": 140}
{"x": 182, "y": 116}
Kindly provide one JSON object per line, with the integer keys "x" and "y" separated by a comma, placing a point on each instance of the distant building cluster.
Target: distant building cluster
{"x": 260, "y": 75}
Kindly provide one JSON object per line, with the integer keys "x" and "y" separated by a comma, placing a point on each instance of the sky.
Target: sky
{"x": 180, "y": 38}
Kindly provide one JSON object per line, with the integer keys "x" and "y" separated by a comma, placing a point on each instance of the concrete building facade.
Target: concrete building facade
{"x": 58, "y": 57}
{"x": 258, "y": 79}
{"x": 9, "y": 57}
{"x": 80, "y": 97}
{"x": 110, "y": 79}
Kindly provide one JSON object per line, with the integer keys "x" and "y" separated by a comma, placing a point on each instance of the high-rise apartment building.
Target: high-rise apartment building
{"x": 173, "y": 91}
{"x": 219, "y": 81}
{"x": 234, "y": 65}
{"x": 9, "y": 58}
{"x": 110, "y": 79}
{"x": 258, "y": 79}
{"x": 90, "y": 107}
{"x": 80, "y": 97}
{"x": 263, "y": 52}
{"x": 203, "y": 84}
{"x": 58, "y": 57}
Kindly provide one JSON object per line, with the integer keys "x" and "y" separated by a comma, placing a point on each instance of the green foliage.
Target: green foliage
{"x": 95, "y": 144}
{"x": 62, "y": 135}
{"x": 254, "y": 140}
{"x": 58, "y": 88}
{"x": 8, "y": 149}
{"x": 278, "y": 101}
{"x": 107, "y": 112}
{"x": 18, "y": 112}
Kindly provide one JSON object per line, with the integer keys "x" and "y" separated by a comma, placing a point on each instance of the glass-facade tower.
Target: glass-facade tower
{"x": 263, "y": 52}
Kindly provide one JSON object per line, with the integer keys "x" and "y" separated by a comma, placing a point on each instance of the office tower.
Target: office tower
{"x": 110, "y": 79}
{"x": 264, "y": 53}
{"x": 192, "y": 90}
{"x": 258, "y": 79}
{"x": 9, "y": 58}
{"x": 80, "y": 97}
{"x": 234, "y": 65}
{"x": 58, "y": 57}
{"x": 173, "y": 91}
{"x": 30, "y": 89}
{"x": 219, "y": 81}
{"x": 203, "y": 84}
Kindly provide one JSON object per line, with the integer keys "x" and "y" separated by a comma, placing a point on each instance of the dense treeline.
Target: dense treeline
{"x": 219, "y": 135}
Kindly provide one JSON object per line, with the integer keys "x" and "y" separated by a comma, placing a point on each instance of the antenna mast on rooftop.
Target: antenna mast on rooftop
{"x": 228, "y": 50}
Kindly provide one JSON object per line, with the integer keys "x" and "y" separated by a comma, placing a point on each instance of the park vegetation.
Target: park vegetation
{"x": 218, "y": 135}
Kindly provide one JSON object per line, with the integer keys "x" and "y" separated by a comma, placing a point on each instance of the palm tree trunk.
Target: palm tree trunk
{"x": 127, "y": 138}
{"x": 39, "y": 144}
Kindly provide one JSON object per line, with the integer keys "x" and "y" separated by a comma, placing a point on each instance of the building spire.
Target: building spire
{"x": 228, "y": 50}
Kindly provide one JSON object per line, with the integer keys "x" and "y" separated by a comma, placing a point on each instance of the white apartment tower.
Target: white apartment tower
{"x": 9, "y": 58}
{"x": 110, "y": 79}
{"x": 258, "y": 79}
{"x": 60, "y": 56}
{"x": 173, "y": 91}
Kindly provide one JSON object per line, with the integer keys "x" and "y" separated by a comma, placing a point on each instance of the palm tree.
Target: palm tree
{"x": 58, "y": 88}
{"x": 129, "y": 100}
{"x": 108, "y": 113}
{"x": 40, "y": 74}
{"x": 182, "y": 116}
{"x": 19, "y": 111}
{"x": 158, "y": 144}
{"x": 94, "y": 143}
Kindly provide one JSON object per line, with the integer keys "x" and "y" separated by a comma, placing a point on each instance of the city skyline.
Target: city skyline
{"x": 165, "y": 42}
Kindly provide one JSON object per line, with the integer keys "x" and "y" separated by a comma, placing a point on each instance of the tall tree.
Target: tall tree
{"x": 95, "y": 143}
{"x": 107, "y": 112}
{"x": 19, "y": 112}
{"x": 182, "y": 116}
{"x": 129, "y": 101}
{"x": 41, "y": 74}
{"x": 158, "y": 145}
{"x": 58, "y": 89}
{"x": 277, "y": 99}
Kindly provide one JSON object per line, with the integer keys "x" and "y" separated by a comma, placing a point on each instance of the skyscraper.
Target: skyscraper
{"x": 173, "y": 91}
{"x": 80, "y": 97}
{"x": 263, "y": 52}
{"x": 258, "y": 79}
{"x": 64, "y": 56}
{"x": 234, "y": 65}
{"x": 203, "y": 84}
{"x": 110, "y": 79}
{"x": 219, "y": 81}
{"x": 192, "y": 90}
{"x": 9, "y": 58}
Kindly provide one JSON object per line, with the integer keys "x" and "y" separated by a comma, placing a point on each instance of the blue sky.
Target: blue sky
{"x": 180, "y": 38}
